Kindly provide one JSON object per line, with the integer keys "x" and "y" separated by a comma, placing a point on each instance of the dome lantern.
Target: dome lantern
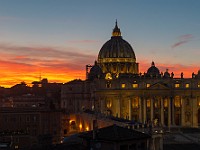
{"x": 116, "y": 30}
{"x": 152, "y": 64}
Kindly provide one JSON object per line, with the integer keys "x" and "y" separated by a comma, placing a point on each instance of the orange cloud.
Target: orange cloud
{"x": 21, "y": 63}
{"x": 13, "y": 73}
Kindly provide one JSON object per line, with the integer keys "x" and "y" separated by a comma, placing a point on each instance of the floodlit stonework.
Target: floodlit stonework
{"x": 115, "y": 87}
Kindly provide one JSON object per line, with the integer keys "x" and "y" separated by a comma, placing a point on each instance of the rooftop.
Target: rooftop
{"x": 115, "y": 133}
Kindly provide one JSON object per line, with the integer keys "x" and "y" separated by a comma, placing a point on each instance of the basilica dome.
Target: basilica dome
{"x": 116, "y": 47}
{"x": 117, "y": 56}
{"x": 153, "y": 71}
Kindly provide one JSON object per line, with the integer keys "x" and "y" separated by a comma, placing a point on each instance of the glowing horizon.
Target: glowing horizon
{"x": 29, "y": 73}
{"x": 58, "y": 38}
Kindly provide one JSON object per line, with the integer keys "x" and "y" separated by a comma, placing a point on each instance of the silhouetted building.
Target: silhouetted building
{"x": 41, "y": 94}
{"x": 24, "y": 127}
{"x": 19, "y": 89}
{"x": 116, "y": 138}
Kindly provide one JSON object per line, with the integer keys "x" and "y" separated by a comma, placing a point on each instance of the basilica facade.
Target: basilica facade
{"x": 115, "y": 87}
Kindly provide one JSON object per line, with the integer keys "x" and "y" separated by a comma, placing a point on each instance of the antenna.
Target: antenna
{"x": 40, "y": 77}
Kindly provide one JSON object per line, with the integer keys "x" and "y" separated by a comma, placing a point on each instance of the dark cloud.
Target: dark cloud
{"x": 182, "y": 40}
{"x": 43, "y": 51}
{"x": 45, "y": 56}
{"x": 179, "y": 43}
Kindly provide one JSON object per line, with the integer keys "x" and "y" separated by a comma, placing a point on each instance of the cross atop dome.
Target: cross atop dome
{"x": 116, "y": 24}
{"x": 116, "y": 30}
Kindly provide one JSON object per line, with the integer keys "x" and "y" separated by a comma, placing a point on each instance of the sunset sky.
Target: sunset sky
{"x": 55, "y": 39}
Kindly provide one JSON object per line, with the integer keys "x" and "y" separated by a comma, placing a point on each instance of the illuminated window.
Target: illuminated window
{"x": 71, "y": 122}
{"x": 123, "y": 85}
{"x": 108, "y": 104}
{"x": 148, "y": 103}
{"x": 187, "y": 85}
{"x": 156, "y": 104}
{"x": 177, "y": 101}
{"x": 135, "y": 85}
{"x": 147, "y": 85}
{"x": 108, "y": 76}
{"x": 16, "y": 146}
{"x": 135, "y": 102}
{"x": 177, "y": 85}
{"x": 165, "y": 103}
{"x": 80, "y": 126}
{"x": 198, "y": 101}
{"x": 87, "y": 128}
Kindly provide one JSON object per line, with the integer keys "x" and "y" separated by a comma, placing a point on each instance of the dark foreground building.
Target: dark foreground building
{"x": 26, "y": 127}
{"x": 116, "y": 138}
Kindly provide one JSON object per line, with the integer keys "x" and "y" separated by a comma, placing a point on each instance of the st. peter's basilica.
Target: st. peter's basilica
{"x": 115, "y": 87}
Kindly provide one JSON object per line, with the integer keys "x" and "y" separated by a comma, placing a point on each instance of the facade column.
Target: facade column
{"x": 126, "y": 67}
{"x": 118, "y": 107}
{"x": 194, "y": 112}
{"x": 152, "y": 107}
{"x": 169, "y": 112}
{"x": 162, "y": 111}
{"x": 140, "y": 109}
{"x": 130, "y": 108}
{"x": 144, "y": 110}
{"x": 101, "y": 105}
{"x": 161, "y": 143}
{"x": 118, "y": 68}
{"x": 172, "y": 111}
{"x": 182, "y": 112}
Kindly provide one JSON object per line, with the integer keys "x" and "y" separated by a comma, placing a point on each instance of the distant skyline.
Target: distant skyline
{"x": 56, "y": 39}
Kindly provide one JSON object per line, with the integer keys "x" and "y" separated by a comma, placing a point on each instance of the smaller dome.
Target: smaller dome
{"x": 153, "y": 71}
{"x": 95, "y": 72}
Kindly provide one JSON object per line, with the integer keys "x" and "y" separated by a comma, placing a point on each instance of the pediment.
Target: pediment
{"x": 159, "y": 86}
